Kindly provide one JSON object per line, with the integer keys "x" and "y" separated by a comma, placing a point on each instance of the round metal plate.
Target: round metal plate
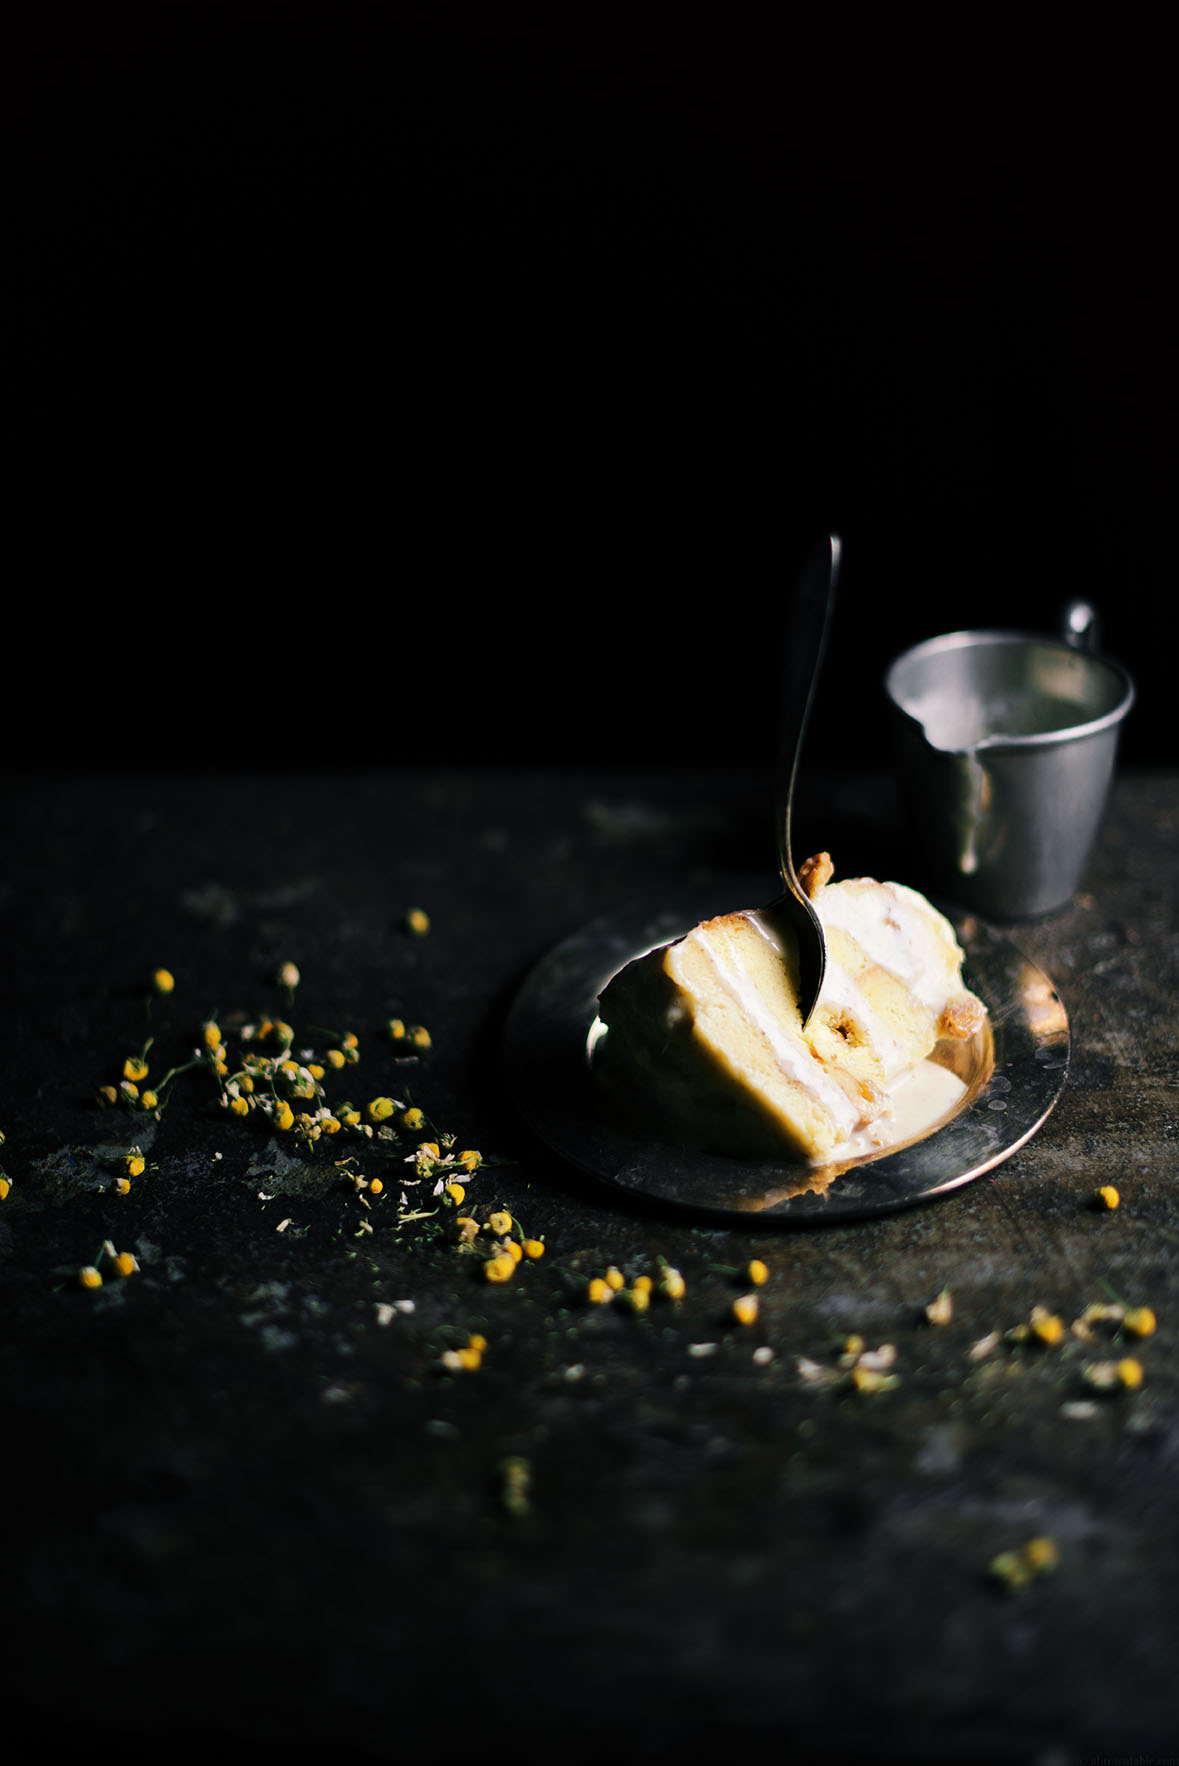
{"x": 1015, "y": 1072}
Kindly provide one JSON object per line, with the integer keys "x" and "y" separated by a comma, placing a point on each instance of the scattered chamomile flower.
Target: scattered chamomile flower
{"x": 940, "y": 1309}
{"x": 1106, "y": 1376}
{"x": 517, "y": 1485}
{"x": 1016, "y": 1569}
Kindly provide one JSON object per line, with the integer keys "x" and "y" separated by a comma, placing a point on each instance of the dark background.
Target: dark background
{"x": 477, "y": 399}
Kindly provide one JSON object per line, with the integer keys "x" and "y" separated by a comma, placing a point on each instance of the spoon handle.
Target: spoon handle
{"x": 806, "y": 640}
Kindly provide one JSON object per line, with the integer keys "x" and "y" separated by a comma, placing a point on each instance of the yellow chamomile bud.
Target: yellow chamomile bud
{"x": 5, "y": 1188}
{"x": 134, "y": 1163}
{"x": 376, "y": 1187}
{"x": 598, "y": 1292}
{"x": 745, "y": 1309}
{"x": 105, "y": 1096}
{"x": 1139, "y": 1321}
{"x": 125, "y": 1263}
{"x": 758, "y": 1273}
{"x": 418, "y": 922}
{"x": 470, "y": 1160}
{"x": 163, "y": 981}
{"x": 239, "y": 1107}
{"x": 413, "y": 1119}
{"x": 123, "y": 1186}
{"x": 212, "y": 1035}
{"x": 288, "y": 975}
{"x": 284, "y": 1117}
{"x": 89, "y": 1277}
{"x": 455, "y": 1193}
{"x": 1130, "y": 1372}
{"x": 335, "y": 1059}
{"x": 672, "y": 1284}
{"x": 499, "y": 1268}
{"x": 1107, "y": 1197}
{"x": 148, "y": 1101}
{"x": 1046, "y": 1325}
{"x": 380, "y": 1109}
{"x": 420, "y": 1037}
{"x": 615, "y": 1279}
{"x": 1041, "y": 1554}
{"x": 534, "y": 1248}
{"x": 500, "y": 1222}
{"x": 397, "y": 1030}
{"x": 135, "y": 1068}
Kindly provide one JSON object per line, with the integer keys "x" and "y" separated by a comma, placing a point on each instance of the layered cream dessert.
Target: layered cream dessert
{"x": 705, "y": 1038}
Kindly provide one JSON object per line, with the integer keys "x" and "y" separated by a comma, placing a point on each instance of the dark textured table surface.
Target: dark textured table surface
{"x": 247, "y": 1498}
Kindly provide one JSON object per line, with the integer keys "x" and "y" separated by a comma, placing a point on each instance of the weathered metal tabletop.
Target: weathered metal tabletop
{"x": 253, "y": 1494}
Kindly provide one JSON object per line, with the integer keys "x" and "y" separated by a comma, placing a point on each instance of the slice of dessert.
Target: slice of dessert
{"x": 705, "y": 1037}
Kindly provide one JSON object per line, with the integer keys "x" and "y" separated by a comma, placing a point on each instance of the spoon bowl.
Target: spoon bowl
{"x": 806, "y": 641}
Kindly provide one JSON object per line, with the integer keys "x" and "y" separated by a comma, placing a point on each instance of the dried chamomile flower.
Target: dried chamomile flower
{"x": 517, "y": 1485}
{"x": 672, "y": 1284}
{"x": 940, "y": 1309}
{"x": 1015, "y": 1569}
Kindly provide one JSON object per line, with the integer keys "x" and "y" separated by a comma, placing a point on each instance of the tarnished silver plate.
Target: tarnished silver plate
{"x": 1014, "y": 1070}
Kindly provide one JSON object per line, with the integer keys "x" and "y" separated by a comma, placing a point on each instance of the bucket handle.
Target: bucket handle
{"x": 1080, "y": 626}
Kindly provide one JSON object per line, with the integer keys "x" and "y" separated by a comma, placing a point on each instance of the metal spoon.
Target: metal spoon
{"x": 806, "y": 640}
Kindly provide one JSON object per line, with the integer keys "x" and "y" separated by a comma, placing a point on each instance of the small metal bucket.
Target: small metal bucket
{"x": 1005, "y": 744}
